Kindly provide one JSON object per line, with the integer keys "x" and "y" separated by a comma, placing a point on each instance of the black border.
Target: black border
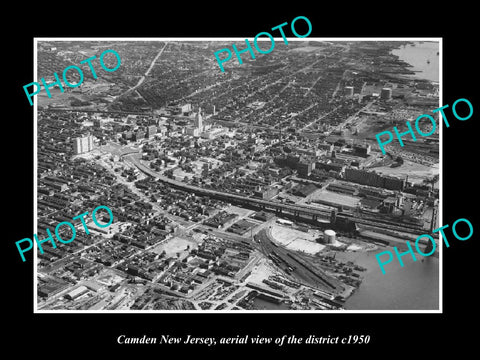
{"x": 61, "y": 334}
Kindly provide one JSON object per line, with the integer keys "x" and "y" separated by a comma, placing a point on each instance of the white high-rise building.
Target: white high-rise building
{"x": 83, "y": 144}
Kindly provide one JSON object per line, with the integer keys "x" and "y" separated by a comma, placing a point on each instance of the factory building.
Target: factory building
{"x": 362, "y": 149}
{"x": 326, "y": 146}
{"x": 76, "y": 293}
{"x": 192, "y": 131}
{"x": 305, "y": 167}
{"x": 213, "y": 133}
{"x": 373, "y": 179}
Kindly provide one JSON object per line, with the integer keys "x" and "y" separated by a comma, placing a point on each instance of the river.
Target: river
{"x": 412, "y": 287}
{"x": 415, "y": 286}
{"x": 422, "y": 55}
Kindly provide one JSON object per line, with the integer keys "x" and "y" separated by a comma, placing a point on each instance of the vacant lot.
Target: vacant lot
{"x": 416, "y": 172}
{"x": 296, "y": 240}
{"x": 174, "y": 246}
{"x": 241, "y": 212}
{"x": 335, "y": 198}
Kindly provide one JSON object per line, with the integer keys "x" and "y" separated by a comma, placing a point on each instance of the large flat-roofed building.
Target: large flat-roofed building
{"x": 151, "y": 130}
{"x": 326, "y": 146}
{"x": 373, "y": 179}
{"x": 180, "y": 109}
{"x": 213, "y": 133}
{"x": 305, "y": 167}
{"x": 51, "y": 288}
{"x": 192, "y": 131}
{"x": 77, "y": 292}
{"x": 361, "y": 149}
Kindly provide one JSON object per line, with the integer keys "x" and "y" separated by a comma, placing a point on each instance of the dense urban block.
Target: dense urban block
{"x": 260, "y": 187}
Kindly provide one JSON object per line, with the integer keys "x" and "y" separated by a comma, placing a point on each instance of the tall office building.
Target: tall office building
{"x": 83, "y": 144}
{"x": 199, "y": 120}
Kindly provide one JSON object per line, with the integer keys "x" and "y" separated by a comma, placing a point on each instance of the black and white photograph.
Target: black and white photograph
{"x": 259, "y": 187}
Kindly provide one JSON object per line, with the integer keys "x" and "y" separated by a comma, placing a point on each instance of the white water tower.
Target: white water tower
{"x": 329, "y": 236}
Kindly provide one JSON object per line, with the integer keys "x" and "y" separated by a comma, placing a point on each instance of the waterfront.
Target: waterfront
{"x": 261, "y": 304}
{"x": 414, "y": 286}
{"x": 422, "y": 55}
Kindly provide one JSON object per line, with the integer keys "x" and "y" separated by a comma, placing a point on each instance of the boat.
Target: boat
{"x": 428, "y": 61}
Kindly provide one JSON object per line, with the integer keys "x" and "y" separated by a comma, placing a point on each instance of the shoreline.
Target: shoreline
{"x": 418, "y": 70}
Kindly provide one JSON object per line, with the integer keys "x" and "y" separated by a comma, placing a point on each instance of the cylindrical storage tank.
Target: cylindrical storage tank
{"x": 329, "y": 236}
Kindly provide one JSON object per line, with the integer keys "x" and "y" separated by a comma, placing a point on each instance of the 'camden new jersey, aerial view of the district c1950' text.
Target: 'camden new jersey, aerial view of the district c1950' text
{"x": 258, "y": 188}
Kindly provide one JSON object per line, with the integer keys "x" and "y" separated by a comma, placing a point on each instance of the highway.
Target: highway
{"x": 293, "y": 208}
